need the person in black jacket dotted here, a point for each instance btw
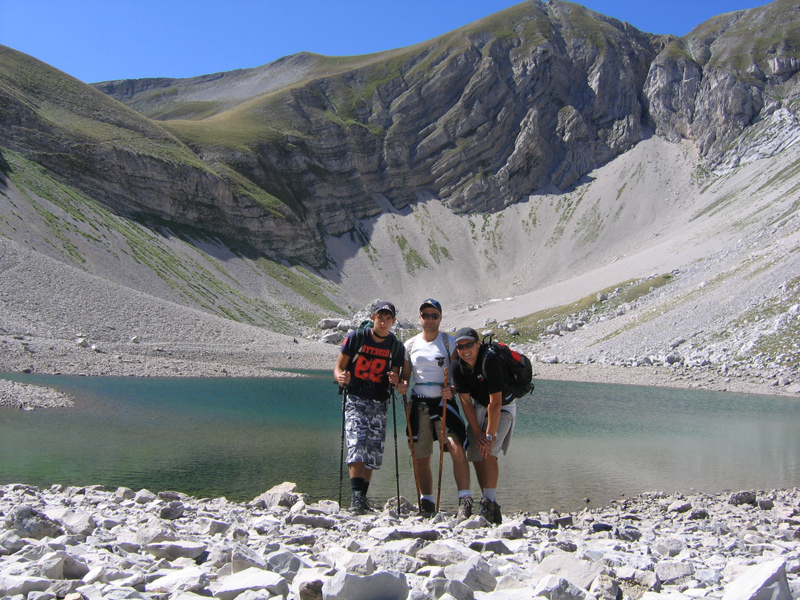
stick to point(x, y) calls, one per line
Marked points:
point(490, 411)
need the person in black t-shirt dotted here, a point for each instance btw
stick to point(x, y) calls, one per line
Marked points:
point(366, 372)
point(490, 411)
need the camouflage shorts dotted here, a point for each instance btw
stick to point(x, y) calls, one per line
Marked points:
point(365, 430)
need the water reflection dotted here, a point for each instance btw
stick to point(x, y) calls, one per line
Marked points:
point(238, 437)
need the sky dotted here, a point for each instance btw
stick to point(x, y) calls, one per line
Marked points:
point(101, 40)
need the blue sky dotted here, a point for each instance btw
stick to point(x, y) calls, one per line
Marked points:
point(98, 40)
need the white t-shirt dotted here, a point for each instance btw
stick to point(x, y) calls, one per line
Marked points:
point(428, 360)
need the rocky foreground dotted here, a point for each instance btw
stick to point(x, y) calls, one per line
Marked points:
point(87, 543)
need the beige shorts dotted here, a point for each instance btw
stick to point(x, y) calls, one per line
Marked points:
point(502, 440)
point(423, 446)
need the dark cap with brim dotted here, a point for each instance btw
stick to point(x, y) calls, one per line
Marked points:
point(467, 333)
point(387, 306)
point(430, 302)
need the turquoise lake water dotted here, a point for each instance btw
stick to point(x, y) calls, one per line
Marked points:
point(239, 437)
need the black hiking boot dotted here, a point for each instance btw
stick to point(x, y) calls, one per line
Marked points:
point(497, 517)
point(490, 511)
point(427, 508)
point(359, 504)
point(486, 510)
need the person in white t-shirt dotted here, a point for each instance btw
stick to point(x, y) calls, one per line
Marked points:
point(427, 355)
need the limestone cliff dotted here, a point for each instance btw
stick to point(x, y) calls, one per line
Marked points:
point(731, 85)
point(131, 163)
point(531, 98)
point(536, 95)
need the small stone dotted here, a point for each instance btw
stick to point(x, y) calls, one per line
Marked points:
point(310, 590)
point(173, 510)
point(740, 498)
point(144, 496)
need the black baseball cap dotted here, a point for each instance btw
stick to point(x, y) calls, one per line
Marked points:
point(432, 303)
point(467, 333)
point(387, 306)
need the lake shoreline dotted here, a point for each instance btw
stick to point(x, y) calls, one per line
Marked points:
point(596, 465)
point(661, 376)
point(54, 357)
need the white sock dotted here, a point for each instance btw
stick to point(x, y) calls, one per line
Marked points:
point(464, 494)
point(427, 497)
point(490, 494)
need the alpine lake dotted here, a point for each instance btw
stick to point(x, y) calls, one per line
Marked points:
point(574, 444)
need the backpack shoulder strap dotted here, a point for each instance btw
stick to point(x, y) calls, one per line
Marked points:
point(446, 342)
point(397, 347)
point(358, 343)
point(448, 351)
point(488, 351)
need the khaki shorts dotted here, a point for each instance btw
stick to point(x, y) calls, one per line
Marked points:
point(503, 438)
point(423, 446)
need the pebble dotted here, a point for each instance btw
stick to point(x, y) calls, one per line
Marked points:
point(89, 543)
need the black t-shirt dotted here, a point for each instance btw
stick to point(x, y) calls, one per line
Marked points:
point(368, 372)
point(474, 383)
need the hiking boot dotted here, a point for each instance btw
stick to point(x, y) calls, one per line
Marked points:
point(486, 510)
point(464, 508)
point(490, 511)
point(497, 518)
point(359, 504)
point(427, 508)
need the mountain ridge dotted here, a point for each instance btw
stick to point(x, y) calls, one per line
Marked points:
point(464, 156)
point(518, 153)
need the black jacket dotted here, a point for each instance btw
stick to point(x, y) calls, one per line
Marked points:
point(486, 379)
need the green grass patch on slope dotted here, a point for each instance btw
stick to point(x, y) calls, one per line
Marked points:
point(413, 260)
point(196, 278)
point(76, 113)
point(195, 110)
point(303, 283)
point(437, 236)
point(779, 342)
point(782, 345)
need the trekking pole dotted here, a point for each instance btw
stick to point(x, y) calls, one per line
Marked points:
point(396, 460)
point(441, 443)
point(341, 449)
point(413, 453)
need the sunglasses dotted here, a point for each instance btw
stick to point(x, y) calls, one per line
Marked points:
point(430, 316)
point(466, 346)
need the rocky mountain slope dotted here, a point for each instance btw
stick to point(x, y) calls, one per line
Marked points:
point(534, 96)
point(544, 153)
point(477, 117)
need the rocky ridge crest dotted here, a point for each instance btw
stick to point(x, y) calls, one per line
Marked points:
point(533, 97)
